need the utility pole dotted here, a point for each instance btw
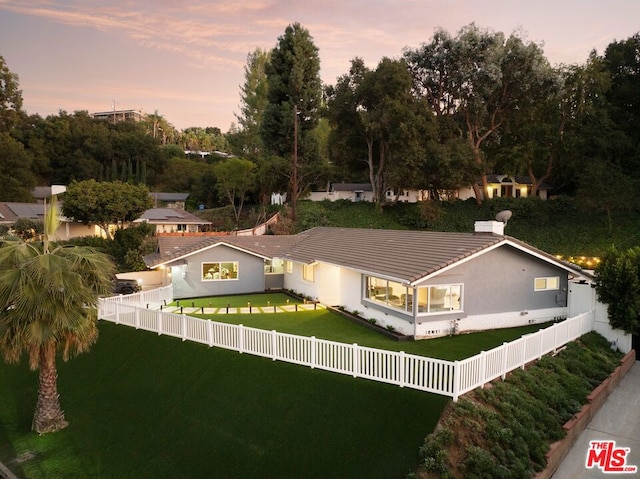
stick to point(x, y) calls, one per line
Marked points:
point(294, 173)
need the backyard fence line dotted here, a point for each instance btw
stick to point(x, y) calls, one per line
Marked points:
point(448, 378)
point(152, 298)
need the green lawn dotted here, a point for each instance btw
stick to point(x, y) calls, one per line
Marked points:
point(326, 324)
point(147, 406)
point(142, 405)
point(239, 301)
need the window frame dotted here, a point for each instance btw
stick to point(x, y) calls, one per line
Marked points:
point(372, 293)
point(233, 273)
point(546, 280)
point(449, 295)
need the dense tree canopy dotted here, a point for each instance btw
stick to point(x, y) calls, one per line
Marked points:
point(380, 123)
point(482, 79)
point(10, 98)
point(294, 101)
point(618, 286)
point(105, 203)
point(236, 177)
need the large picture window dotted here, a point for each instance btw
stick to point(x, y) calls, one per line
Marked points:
point(439, 298)
point(223, 270)
point(389, 293)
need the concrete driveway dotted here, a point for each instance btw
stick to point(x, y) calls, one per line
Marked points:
point(618, 420)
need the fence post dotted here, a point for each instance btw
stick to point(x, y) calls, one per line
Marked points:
point(210, 332)
point(355, 363)
point(555, 338)
point(137, 318)
point(505, 348)
point(483, 367)
point(523, 357)
point(313, 352)
point(401, 360)
point(184, 327)
point(540, 345)
point(456, 380)
point(117, 309)
point(274, 345)
point(159, 323)
point(240, 338)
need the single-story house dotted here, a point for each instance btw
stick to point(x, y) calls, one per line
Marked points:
point(499, 186)
point(507, 186)
point(171, 220)
point(421, 283)
point(11, 212)
point(344, 191)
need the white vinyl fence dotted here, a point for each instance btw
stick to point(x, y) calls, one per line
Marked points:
point(448, 378)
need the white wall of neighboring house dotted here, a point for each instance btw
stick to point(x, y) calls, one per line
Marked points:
point(68, 230)
point(340, 195)
point(582, 298)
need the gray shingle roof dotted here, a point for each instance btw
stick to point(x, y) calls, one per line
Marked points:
point(405, 255)
point(170, 215)
point(173, 247)
point(161, 196)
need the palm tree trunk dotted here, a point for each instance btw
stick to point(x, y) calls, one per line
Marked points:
point(48, 416)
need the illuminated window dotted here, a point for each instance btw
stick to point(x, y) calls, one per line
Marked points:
point(274, 266)
point(389, 293)
point(439, 298)
point(222, 270)
point(546, 284)
point(289, 266)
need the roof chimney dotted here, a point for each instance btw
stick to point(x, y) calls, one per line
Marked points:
point(491, 227)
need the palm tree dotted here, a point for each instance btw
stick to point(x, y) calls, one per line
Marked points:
point(48, 299)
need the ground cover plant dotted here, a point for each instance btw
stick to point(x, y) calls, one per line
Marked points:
point(504, 431)
point(148, 406)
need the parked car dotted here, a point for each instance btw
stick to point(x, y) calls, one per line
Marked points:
point(126, 286)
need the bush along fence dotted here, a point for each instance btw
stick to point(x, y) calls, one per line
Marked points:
point(448, 378)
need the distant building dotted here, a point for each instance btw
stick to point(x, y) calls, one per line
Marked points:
point(171, 220)
point(116, 116)
point(169, 200)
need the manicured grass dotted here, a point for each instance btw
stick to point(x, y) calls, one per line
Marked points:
point(147, 406)
point(326, 324)
point(238, 301)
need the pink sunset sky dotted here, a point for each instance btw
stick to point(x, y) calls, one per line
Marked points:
point(186, 59)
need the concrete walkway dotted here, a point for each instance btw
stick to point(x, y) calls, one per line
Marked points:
point(618, 420)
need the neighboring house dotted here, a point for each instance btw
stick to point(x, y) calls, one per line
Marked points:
point(116, 116)
point(422, 284)
point(344, 191)
point(169, 200)
point(10, 212)
point(507, 186)
point(500, 186)
point(170, 220)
